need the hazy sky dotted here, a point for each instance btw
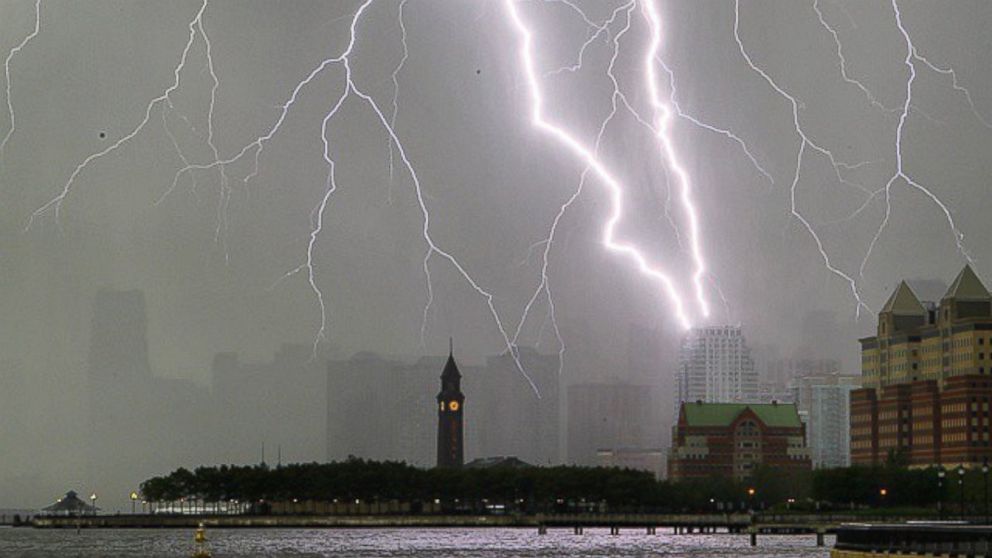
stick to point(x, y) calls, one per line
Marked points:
point(210, 265)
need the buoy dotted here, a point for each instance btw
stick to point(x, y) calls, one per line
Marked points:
point(200, 541)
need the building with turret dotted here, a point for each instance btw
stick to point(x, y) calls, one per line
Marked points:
point(926, 379)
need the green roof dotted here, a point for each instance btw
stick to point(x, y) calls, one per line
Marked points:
point(967, 286)
point(903, 302)
point(722, 414)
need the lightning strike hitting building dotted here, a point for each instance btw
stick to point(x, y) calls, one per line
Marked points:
point(633, 29)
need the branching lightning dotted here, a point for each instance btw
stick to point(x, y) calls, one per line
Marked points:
point(900, 171)
point(804, 142)
point(55, 204)
point(6, 72)
point(842, 62)
point(592, 161)
point(545, 284)
point(662, 108)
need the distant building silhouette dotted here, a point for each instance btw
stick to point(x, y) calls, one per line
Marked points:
point(450, 417)
point(118, 338)
point(651, 460)
point(139, 424)
point(385, 408)
point(607, 416)
point(508, 417)
point(280, 403)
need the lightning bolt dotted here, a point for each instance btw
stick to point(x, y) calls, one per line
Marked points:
point(710, 127)
point(900, 172)
point(6, 72)
point(804, 142)
point(588, 156)
point(663, 116)
point(954, 83)
point(396, 94)
point(842, 62)
point(545, 284)
point(599, 29)
point(220, 233)
point(55, 204)
point(352, 88)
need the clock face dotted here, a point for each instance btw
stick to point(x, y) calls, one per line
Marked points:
point(453, 405)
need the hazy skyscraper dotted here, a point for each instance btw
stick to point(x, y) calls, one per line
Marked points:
point(281, 403)
point(118, 338)
point(715, 366)
point(824, 402)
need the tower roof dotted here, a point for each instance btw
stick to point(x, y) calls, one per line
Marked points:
point(450, 368)
point(967, 286)
point(903, 302)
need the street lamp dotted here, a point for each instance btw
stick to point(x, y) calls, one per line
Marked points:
point(985, 473)
point(882, 493)
point(134, 500)
point(961, 488)
point(940, 493)
point(93, 502)
point(750, 497)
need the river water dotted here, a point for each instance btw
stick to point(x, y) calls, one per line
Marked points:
point(417, 543)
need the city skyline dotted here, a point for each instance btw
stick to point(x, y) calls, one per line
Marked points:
point(241, 231)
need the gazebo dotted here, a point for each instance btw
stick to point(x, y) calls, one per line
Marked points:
point(70, 504)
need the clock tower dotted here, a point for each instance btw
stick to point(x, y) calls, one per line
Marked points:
point(450, 422)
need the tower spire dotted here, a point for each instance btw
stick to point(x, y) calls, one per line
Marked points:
point(451, 346)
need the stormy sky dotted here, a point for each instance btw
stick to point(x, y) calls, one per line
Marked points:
point(212, 254)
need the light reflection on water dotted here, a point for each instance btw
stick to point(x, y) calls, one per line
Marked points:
point(432, 543)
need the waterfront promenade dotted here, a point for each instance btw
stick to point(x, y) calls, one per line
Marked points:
point(678, 523)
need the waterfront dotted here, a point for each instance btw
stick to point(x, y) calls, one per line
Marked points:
point(425, 543)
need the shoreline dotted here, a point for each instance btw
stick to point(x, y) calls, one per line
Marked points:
point(734, 522)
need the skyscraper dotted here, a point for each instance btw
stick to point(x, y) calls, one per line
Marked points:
point(118, 338)
point(824, 401)
point(715, 366)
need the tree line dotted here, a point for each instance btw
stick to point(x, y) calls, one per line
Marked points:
point(570, 488)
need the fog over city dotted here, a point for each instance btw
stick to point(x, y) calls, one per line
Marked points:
point(212, 246)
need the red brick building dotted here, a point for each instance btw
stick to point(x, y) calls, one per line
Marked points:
point(927, 379)
point(733, 439)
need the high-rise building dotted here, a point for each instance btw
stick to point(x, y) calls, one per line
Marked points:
point(607, 417)
point(715, 366)
point(450, 417)
point(824, 402)
point(733, 439)
point(154, 418)
point(926, 380)
point(118, 338)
